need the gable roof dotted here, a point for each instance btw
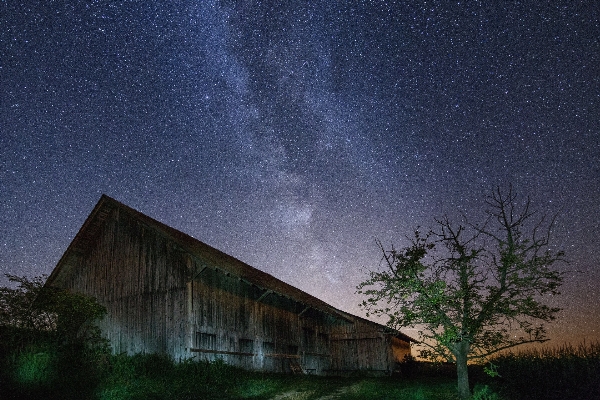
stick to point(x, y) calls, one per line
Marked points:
point(202, 252)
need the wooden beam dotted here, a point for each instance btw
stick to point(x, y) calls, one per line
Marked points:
point(234, 353)
point(265, 294)
point(276, 355)
point(306, 353)
point(199, 272)
point(303, 311)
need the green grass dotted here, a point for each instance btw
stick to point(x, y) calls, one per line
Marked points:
point(121, 377)
point(156, 377)
point(313, 388)
point(562, 373)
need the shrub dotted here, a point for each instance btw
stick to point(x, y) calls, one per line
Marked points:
point(484, 393)
point(49, 345)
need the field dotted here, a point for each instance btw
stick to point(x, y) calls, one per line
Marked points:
point(566, 372)
point(562, 373)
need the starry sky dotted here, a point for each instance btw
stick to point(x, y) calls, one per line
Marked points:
point(292, 135)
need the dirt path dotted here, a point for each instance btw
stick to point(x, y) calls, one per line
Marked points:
point(337, 393)
point(294, 395)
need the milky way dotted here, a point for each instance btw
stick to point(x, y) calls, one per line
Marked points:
point(293, 136)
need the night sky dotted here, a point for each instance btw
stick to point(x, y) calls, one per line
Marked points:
point(292, 135)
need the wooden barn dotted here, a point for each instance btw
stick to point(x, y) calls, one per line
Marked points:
point(167, 292)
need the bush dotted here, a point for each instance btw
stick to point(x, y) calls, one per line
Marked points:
point(49, 345)
point(484, 393)
point(43, 370)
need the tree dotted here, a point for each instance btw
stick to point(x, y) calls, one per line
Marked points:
point(66, 316)
point(471, 290)
point(17, 304)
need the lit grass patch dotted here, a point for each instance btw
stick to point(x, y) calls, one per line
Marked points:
point(158, 377)
point(285, 387)
point(386, 388)
point(261, 387)
point(35, 367)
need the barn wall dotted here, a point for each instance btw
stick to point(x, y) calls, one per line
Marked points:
point(363, 347)
point(139, 276)
point(228, 322)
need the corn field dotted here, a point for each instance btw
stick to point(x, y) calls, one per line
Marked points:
point(563, 372)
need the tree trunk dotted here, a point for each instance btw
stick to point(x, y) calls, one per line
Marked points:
point(461, 351)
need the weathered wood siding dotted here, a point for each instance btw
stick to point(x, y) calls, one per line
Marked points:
point(363, 346)
point(139, 276)
point(252, 327)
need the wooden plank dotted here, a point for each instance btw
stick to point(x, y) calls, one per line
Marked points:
point(275, 355)
point(234, 353)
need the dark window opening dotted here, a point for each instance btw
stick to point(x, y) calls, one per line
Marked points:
point(246, 345)
point(207, 341)
point(268, 347)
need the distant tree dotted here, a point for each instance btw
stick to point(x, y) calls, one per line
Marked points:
point(471, 290)
point(17, 304)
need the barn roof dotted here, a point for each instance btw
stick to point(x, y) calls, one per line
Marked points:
point(200, 251)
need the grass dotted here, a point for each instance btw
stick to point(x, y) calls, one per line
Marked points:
point(121, 377)
point(567, 372)
point(425, 388)
point(156, 377)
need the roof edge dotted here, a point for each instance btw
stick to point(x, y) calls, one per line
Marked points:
point(61, 262)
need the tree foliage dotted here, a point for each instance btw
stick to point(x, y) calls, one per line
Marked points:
point(471, 290)
point(67, 316)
